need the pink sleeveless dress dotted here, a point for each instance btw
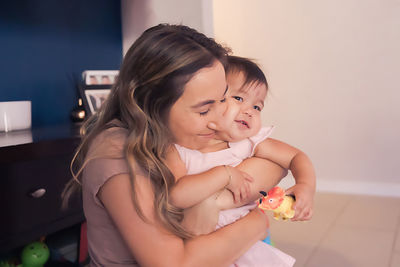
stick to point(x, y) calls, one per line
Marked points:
point(260, 254)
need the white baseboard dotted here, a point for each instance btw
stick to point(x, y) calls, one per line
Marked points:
point(352, 187)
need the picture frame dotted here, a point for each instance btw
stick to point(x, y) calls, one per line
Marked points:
point(99, 77)
point(95, 88)
point(93, 96)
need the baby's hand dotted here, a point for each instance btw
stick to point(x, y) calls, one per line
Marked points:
point(303, 206)
point(239, 184)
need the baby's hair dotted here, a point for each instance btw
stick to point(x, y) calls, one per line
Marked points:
point(251, 71)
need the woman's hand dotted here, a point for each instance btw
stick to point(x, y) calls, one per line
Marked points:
point(263, 220)
point(239, 184)
point(303, 205)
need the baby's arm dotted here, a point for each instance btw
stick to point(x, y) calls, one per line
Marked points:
point(302, 169)
point(202, 218)
point(192, 189)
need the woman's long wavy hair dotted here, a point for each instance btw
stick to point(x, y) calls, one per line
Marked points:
point(151, 79)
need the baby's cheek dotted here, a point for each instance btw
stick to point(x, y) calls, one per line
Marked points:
point(232, 110)
point(257, 124)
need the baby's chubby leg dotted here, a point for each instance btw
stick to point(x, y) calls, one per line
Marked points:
point(266, 174)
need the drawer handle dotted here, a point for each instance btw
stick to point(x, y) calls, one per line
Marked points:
point(38, 193)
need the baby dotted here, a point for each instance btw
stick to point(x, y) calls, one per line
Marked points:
point(208, 201)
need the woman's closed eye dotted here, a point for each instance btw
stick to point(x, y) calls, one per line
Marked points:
point(203, 113)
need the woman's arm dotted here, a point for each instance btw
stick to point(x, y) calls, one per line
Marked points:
point(146, 239)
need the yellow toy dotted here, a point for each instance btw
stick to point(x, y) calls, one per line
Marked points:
point(276, 201)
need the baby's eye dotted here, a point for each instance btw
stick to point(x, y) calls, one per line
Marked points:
point(238, 98)
point(257, 108)
point(204, 112)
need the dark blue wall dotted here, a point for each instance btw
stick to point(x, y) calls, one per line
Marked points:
point(44, 44)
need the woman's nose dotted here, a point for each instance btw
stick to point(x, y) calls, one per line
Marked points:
point(217, 121)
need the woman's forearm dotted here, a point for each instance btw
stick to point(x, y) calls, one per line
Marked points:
point(223, 246)
point(148, 238)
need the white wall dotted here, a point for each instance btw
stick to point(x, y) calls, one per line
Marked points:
point(138, 15)
point(333, 69)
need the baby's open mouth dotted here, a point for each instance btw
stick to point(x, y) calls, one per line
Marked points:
point(243, 122)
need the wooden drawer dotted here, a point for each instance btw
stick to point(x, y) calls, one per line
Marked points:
point(24, 217)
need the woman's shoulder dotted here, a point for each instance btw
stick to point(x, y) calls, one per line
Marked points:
point(109, 143)
point(107, 150)
point(105, 160)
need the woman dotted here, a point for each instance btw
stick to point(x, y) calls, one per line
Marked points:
point(170, 87)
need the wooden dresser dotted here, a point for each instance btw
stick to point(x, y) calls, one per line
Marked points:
point(34, 168)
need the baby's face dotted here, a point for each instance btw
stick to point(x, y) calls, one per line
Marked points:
point(243, 115)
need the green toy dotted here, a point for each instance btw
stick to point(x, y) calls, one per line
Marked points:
point(6, 264)
point(34, 255)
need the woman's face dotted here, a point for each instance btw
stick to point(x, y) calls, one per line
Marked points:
point(202, 102)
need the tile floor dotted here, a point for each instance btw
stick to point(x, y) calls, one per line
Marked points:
point(346, 231)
